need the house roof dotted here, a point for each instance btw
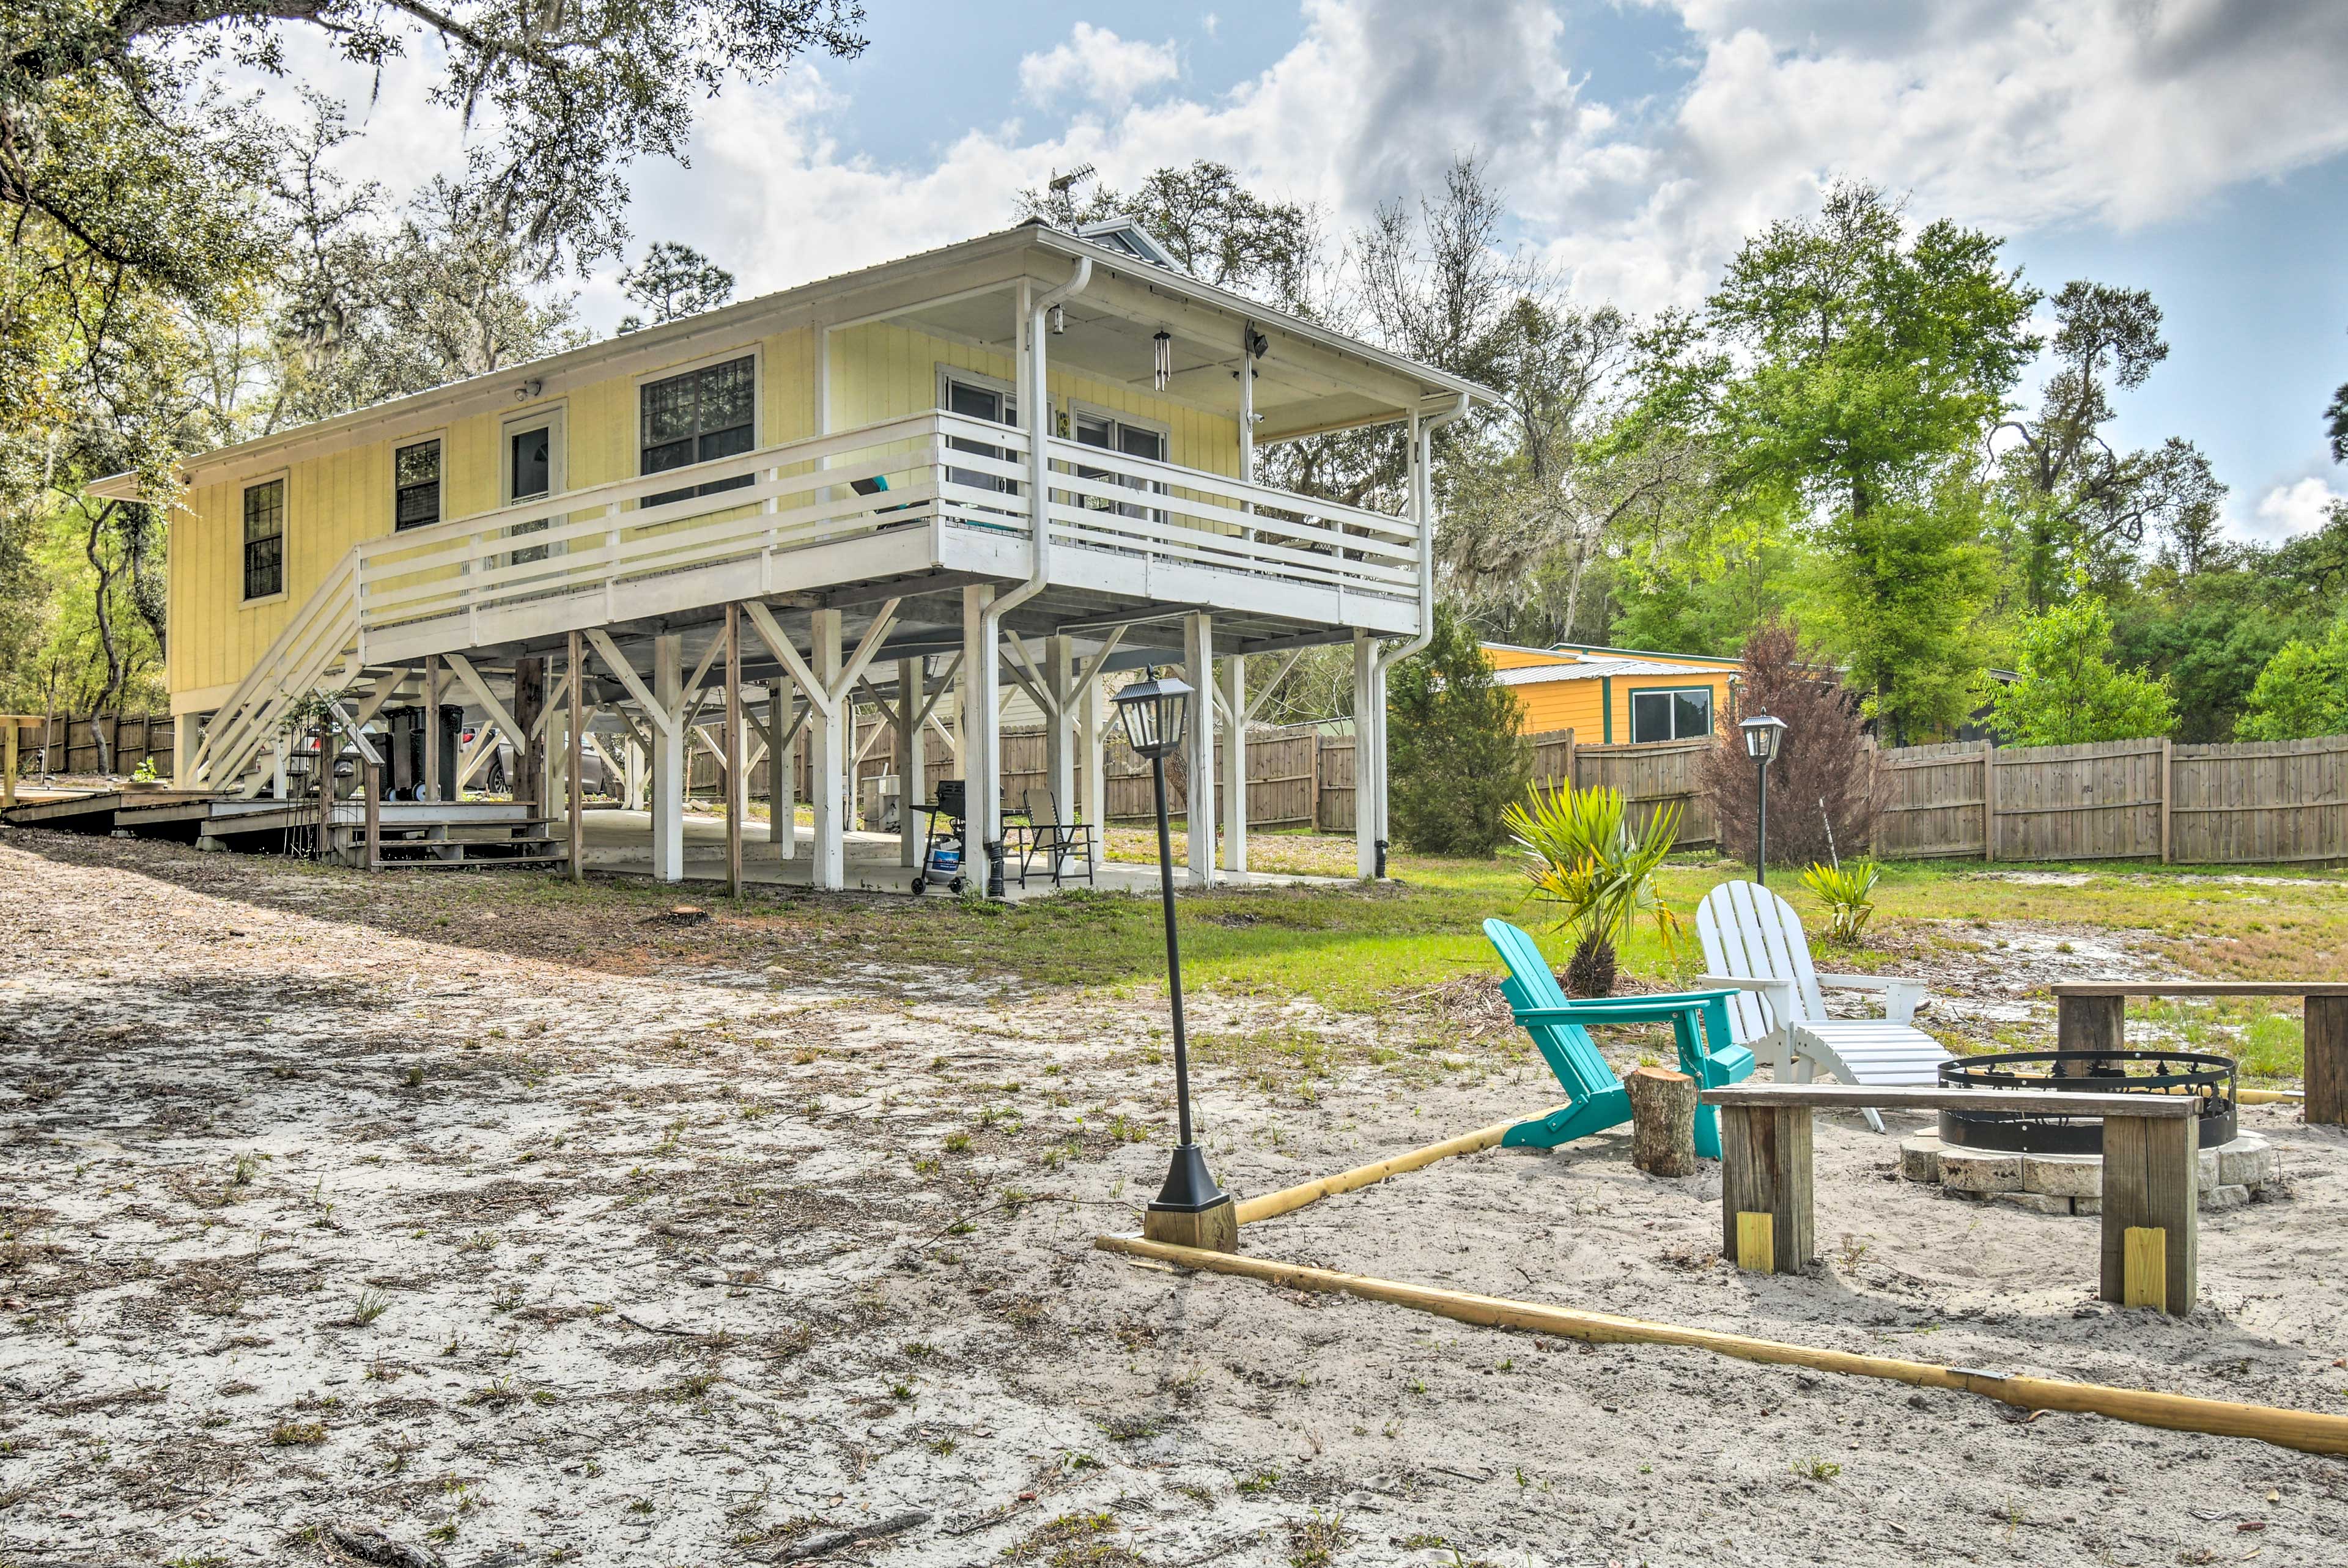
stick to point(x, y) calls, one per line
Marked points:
point(1599, 669)
point(668, 342)
point(1682, 659)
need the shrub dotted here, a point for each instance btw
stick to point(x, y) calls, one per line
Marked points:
point(1581, 855)
point(1824, 796)
point(1844, 890)
point(2068, 693)
point(2302, 692)
point(1455, 753)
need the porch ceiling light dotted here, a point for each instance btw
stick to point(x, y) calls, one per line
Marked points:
point(1152, 711)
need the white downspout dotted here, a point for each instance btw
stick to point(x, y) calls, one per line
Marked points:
point(1422, 503)
point(1422, 506)
point(1037, 396)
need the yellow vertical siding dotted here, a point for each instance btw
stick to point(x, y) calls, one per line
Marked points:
point(337, 499)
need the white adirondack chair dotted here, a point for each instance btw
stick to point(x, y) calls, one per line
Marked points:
point(1752, 941)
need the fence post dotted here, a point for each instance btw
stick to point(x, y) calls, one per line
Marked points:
point(2168, 790)
point(374, 776)
point(1989, 800)
point(1572, 779)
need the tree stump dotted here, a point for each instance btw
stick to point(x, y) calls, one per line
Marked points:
point(1663, 1121)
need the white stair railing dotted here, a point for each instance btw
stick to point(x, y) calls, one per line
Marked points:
point(323, 631)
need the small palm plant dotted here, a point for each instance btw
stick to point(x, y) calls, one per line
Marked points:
point(1844, 890)
point(1582, 855)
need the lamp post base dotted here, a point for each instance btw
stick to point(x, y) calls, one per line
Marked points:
point(1191, 1210)
point(1215, 1227)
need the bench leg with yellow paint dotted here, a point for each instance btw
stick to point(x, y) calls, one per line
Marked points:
point(2150, 1239)
point(1765, 1197)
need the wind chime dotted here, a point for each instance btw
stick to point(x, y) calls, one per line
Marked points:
point(1163, 344)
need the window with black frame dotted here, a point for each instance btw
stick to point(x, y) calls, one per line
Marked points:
point(265, 539)
point(1680, 714)
point(415, 485)
point(696, 417)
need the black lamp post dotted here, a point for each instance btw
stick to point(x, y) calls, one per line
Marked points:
point(1763, 734)
point(1191, 1210)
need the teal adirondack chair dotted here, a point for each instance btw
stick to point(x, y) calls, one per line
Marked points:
point(1560, 1030)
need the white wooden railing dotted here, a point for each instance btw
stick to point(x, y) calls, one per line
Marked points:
point(321, 634)
point(1107, 500)
point(942, 470)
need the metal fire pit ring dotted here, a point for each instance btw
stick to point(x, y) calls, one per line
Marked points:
point(2093, 1071)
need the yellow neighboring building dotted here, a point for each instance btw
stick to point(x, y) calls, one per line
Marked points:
point(1616, 695)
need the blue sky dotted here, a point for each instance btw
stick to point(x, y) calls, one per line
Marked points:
point(2195, 148)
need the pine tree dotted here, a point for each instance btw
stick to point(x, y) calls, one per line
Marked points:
point(1457, 756)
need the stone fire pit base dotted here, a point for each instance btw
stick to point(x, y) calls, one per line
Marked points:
point(2231, 1174)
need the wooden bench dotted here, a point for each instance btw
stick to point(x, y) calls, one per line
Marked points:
point(2089, 1016)
point(2150, 1143)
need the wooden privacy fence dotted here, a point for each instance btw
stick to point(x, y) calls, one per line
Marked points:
point(1652, 777)
point(2244, 803)
point(1298, 777)
point(70, 742)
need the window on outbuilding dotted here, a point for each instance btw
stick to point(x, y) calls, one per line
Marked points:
point(265, 539)
point(415, 485)
point(1684, 714)
point(696, 417)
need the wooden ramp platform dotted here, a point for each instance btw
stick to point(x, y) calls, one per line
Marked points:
point(93, 810)
point(407, 833)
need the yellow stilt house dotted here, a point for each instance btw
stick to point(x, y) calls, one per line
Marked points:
point(1031, 455)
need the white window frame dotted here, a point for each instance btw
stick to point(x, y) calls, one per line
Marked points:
point(1712, 706)
point(1080, 409)
point(555, 416)
point(284, 536)
point(417, 439)
point(754, 351)
point(947, 375)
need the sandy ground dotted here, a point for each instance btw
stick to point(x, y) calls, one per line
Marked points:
point(308, 1232)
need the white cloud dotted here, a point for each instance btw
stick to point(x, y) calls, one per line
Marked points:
point(2007, 113)
point(2295, 508)
point(2010, 114)
point(1097, 63)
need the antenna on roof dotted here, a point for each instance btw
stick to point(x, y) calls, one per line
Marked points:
point(1061, 184)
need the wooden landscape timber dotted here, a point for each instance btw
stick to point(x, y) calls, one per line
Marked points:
point(1288, 1200)
point(2307, 1430)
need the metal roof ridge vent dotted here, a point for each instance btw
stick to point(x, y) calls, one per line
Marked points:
point(1123, 232)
